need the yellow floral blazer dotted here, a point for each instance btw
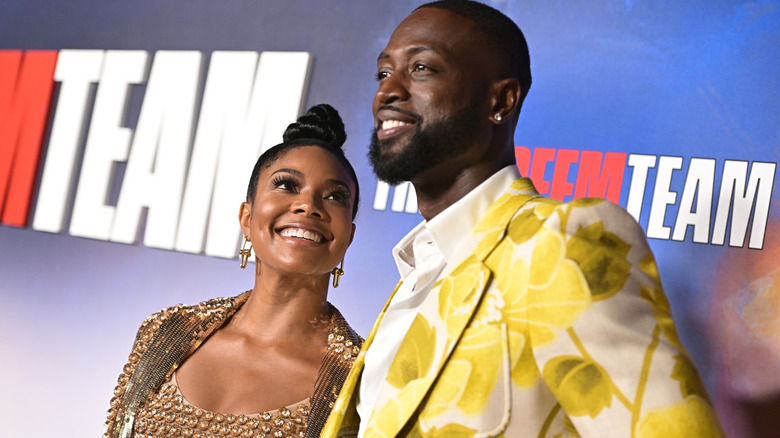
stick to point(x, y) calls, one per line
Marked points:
point(556, 325)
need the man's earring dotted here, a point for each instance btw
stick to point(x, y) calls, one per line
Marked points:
point(337, 273)
point(498, 117)
point(245, 252)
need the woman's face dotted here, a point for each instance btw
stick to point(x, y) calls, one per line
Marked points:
point(301, 218)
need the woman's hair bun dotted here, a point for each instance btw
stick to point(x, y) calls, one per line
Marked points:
point(322, 122)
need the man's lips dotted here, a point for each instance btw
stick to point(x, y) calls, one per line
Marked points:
point(392, 120)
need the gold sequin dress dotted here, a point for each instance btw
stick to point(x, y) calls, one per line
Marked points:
point(147, 402)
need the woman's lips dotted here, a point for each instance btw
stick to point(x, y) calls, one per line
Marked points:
point(302, 233)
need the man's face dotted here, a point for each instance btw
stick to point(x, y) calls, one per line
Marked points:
point(432, 107)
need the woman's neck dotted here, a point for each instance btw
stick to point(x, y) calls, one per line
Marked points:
point(284, 307)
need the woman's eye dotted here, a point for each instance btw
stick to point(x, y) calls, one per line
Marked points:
point(285, 184)
point(341, 197)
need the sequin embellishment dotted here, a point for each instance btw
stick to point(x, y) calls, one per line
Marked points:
point(169, 415)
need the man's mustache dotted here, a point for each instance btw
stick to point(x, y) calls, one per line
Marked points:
point(416, 117)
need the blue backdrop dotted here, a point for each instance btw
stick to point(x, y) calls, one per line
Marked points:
point(682, 96)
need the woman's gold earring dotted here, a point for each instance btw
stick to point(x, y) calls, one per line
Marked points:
point(337, 273)
point(245, 252)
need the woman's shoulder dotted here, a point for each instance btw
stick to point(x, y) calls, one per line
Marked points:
point(219, 308)
point(342, 331)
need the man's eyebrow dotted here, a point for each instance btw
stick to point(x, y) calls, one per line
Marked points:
point(409, 51)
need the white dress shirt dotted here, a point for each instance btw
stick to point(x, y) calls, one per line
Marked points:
point(422, 257)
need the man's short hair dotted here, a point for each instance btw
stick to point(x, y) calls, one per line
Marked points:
point(500, 31)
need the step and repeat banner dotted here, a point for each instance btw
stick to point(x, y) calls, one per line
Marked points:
point(128, 131)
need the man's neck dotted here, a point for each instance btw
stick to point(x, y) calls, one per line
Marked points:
point(437, 191)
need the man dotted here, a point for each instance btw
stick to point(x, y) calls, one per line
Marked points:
point(516, 315)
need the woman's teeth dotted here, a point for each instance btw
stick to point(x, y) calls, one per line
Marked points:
point(301, 234)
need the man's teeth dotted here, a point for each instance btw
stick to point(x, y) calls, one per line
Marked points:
point(387, 124)
point(301, 234)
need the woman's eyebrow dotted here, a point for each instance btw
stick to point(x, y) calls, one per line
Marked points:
point(295, 172)
point(340, 183)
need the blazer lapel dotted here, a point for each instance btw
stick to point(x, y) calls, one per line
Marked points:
point(346, 402)
point(442, 318)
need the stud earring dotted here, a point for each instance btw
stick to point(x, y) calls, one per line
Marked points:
point(337, 273)
point(498, 117)
point(245, 252)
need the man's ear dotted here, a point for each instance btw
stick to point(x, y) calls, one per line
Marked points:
point(244, 217)
point(507, 95)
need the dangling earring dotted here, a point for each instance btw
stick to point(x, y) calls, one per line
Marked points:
point(245, 252)
point(337, 273)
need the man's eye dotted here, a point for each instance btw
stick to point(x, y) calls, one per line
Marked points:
point(420, 68)
point(382, 75)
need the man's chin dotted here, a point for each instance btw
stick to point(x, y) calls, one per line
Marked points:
point(389, 169)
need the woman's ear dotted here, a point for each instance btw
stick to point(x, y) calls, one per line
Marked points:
point(352, 236)
point(244, 217)
point(506, 99)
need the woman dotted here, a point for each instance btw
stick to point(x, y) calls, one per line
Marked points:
point(270, 361)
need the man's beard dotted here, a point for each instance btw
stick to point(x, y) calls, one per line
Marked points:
point(428, 146)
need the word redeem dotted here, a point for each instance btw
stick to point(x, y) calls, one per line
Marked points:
point(744, 191)
point(189, 178)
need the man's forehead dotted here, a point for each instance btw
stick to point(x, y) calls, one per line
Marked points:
point(432, 29)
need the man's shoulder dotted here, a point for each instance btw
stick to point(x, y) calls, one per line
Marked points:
point(581, 208)
point(573, 216)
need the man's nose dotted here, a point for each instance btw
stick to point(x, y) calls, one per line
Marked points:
point(392, 88)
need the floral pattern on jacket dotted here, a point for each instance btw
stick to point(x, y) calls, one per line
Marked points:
point(556, 325)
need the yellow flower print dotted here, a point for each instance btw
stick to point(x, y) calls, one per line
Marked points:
point(692, 417)
point(663, 315)
point(524, 371)
point(502, 260)
point(512, 289)
point(466, 282)
point(549, 295)
point(494, 223)
point(385, 419)
point(448, 389)
point(649, 267)
point(467, 382)
point(527, 224)
point(547, 257)
point(570, 429)
point(407, 372)
point(581, 386)
point(414, 360)
point(498, 215)
point(601, 257)
point(448, 431)
point(690, 382)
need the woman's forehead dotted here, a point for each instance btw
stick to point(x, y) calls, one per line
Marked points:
point(310, 160)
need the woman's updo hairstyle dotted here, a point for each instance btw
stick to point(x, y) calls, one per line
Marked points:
point(321, 126)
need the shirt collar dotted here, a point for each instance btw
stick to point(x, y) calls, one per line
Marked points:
point(450, 227)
